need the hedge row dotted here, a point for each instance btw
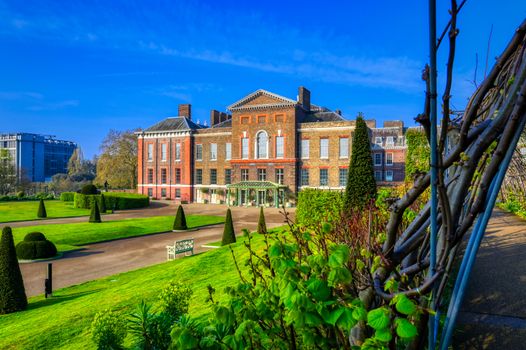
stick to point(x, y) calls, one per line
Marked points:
point(35, 197)
point(318, 206)
point(112, 200)
point(67, 196)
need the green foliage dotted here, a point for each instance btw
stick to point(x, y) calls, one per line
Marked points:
point(262, 226)
point(102, 202)
point(361, 185)
point(12, 293)
point(229, 235)
point(150, 330)
point(113, 200)
point(89, 189)
point(41, 209)
point(34, 236)
point(108, 330)
point(318, 206)
point(35, 246)
point(418, 153)
point(175, 299)
point(95, 213)
point(180, 220)
point(513, 205)
point(67, 196)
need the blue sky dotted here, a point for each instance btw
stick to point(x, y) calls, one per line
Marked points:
point(76, 69)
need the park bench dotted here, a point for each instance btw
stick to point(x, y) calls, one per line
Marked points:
point(182, 246)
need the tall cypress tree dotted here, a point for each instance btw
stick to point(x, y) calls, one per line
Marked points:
point(229, 236)
point(180, 220)
point(102, 204)
point(41, 209)
point(262, 226)
point(12, 292)
point(95, 213)
point(361, 185)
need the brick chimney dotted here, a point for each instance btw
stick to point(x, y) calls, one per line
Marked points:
point(304, 97)
point(215, 117)
point(338, 111)
point(185, 110)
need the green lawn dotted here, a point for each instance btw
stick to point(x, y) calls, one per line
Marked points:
point(27, 210)
point(71, 236)
point(63, 322)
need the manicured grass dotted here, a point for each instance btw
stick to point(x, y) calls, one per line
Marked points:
point(63, 322)
point(27, 210)
point(71, 236)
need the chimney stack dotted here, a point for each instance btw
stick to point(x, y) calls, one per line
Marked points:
point(185, 110)
point(215, 117)
point(338, 111)
point(304, 97)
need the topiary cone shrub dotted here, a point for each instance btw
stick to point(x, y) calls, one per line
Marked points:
point(262, 226)
point(35, 246)
point(95, 213)
point(180, 220)
point(12, 293)
point(229, 236)
point(102, 204)
point(41, 209)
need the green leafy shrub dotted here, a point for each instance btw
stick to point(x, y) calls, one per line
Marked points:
point(89, 189)
point(175, 299)
point(20, 194)
point(35, 246)
point(108, 330)
point(229, 235)
point(150, 330)
point(418, 153)
point(102, 203)
point(113, 200)
point(41, 210)
point(12, 292)
point(95, 213)
point(262, 226)
point(67, 196)
point(180, 220)
point(318, 206)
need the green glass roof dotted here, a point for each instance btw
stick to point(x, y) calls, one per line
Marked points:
point(256, 184)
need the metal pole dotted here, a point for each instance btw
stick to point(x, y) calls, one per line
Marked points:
point(434, 155)
point(476, 236)
point(48, 284)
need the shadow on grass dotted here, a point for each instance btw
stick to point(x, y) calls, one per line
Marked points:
point(59, 299)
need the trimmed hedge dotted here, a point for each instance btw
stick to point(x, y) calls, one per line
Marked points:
point(35, 246)
point(12, 293)
point(42, 213)
point(318, 206)
point(180, 220)
point(35, 197)
point(67, 196)
point(89, 189)
point(229, 235)
point(112, 200)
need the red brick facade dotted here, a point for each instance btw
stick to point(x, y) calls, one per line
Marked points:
point(268, 139)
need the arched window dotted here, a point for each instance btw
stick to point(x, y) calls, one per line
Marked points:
point(261, 145)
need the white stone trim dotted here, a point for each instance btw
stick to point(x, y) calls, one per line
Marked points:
point(164, 185)
point(159, 134)
point(330, 128)
point(196, 135)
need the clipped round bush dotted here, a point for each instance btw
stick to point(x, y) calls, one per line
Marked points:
point(89, 189)
point(34, 236)
point(21, 194)
point(35, 246)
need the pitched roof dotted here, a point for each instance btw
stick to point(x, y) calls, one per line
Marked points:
point(174, 124)
point(325, 116)
point(280, 100)
point(224, 124)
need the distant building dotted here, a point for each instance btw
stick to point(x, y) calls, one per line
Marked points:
point(37, 157)
point(269, 147)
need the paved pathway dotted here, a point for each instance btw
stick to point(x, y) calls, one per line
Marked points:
point(494, 311)
point(108, 258)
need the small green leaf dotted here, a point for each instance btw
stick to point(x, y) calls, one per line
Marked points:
point(383, 335)
point(339, 256)
point(404, 305)
point(334, 316)
point(378, 318)
point(405, 329)
point(359, 314)
point(319, 289)
point(274, 250)
point(346, 320)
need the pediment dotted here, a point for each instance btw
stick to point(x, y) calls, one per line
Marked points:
point(261, 98)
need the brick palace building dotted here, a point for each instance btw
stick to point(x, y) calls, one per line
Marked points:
point(268, 148)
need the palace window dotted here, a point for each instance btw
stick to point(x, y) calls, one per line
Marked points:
point(150, 151)
point(343, 176)
point(178, 151)
point(163, 152)
point(388, 159)
point(199, 152)
point(378, 141)
point(304, 177)
point(213, 151)
point(244, 148)
point(377, 159)
point(305, 149)
point(280, 175)
point(177, 193)
point(163, 192)
point(163, 176)
point(261, 145)
point(324, 177)
point(324, 148)
point(228, 176)
point(150, 176)
point(344, 147)
point(177, 176)
point(378, 175)
point(199, 176)
point(262, 174)
point(228, 151)
point(213, 176)
point(389, 175)
point(280, 146)
point(390, 141)
point(244, 174)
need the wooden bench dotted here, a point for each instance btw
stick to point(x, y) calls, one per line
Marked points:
point(183, 246)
